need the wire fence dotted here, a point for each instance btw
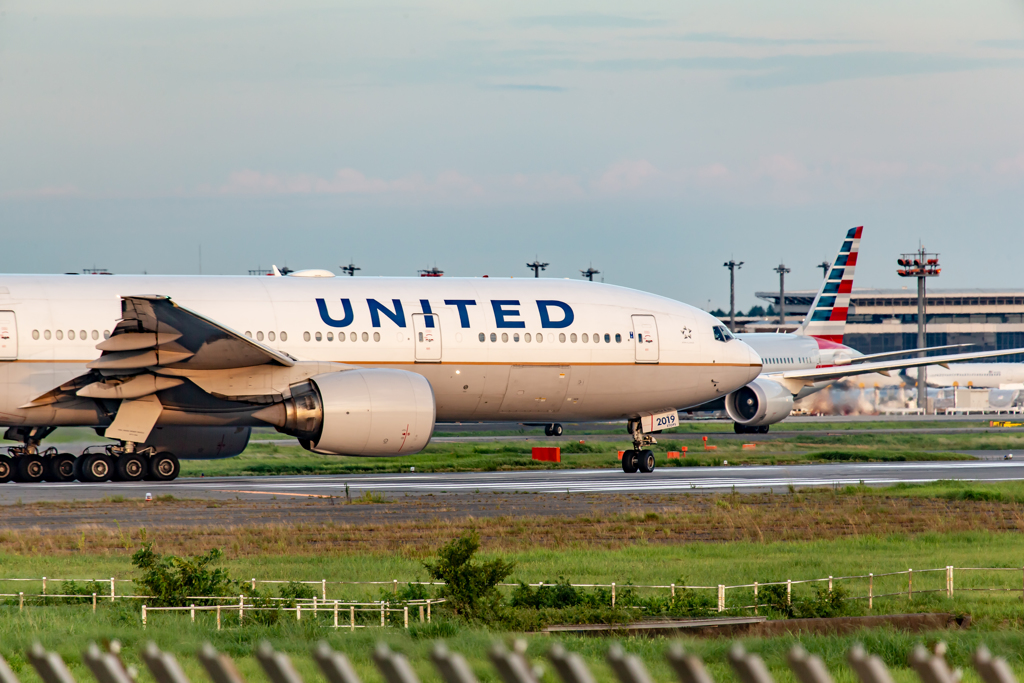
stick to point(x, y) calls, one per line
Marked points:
point(751, 596)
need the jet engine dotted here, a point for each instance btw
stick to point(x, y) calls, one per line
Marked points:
point(199, 443)
point(367, 412)
point(761, 403)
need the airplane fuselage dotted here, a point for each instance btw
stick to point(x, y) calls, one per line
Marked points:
point(492, 349)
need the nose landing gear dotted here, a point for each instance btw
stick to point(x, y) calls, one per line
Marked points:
point(639, 459)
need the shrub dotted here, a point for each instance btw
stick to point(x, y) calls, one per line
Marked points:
point(294, 591)
point(171, 579)
point(470, 589)
point(557, 595)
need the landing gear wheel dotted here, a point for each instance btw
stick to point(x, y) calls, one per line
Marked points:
point(131, 467)
point(763, 429)
point(740, 429)
point(6, 469)
point(164, 467)
point(547, 430)
point(556, 429)
point(645, 461)
point(31, 468)
point(630, 462)
point(79, 461)
point(97, 467)
point(61, 467)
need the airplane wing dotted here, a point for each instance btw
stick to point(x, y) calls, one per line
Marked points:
point(155, 332)
point(794, 380)
point(890, 354)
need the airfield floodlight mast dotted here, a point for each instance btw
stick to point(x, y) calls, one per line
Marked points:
point(351, 269)
point(431, 272)
point(922, 265)
point(590, 272)
point(733, 266)
point(537, 266)
point(782, 270)
point(825, 266)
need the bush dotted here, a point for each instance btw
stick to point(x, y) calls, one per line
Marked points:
point(557, 595)
point(170, 580)
point(470, 589)
point(825, 603)
point(577, 447)
point(293, 591)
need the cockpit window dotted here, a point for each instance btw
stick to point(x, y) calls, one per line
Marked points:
point(722, 333)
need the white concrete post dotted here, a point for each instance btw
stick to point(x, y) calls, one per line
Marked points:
point(428, 611)
point(298, 612)
point(405, 614)
point(314, 607)
point(395, 588)
point(721, 598)
point(193, 612)
point(323, 589)
point(421, 614)
point(755, 597)
point(218, 617)
point(111, 589)
point(871, 590)
point(335, 614)
point(94, 603)
point(789, 591)
point(241, 608)
point(21, 601)
point(254, 583)
point(382, 613)
point(143, 616)
point(910, 584)
point(352, 617)
point(830, 584)
point(613, 594)
point(673, 590)
point(44, 585)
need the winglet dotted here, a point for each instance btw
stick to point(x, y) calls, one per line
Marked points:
point(826, 319)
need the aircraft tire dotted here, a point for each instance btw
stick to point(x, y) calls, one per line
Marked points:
point(630, 462)
point(6, 469)
point(131, 467)
point(61, 467)
point(97, 467)
point(547, 430)
point(740, 429)
point(164, 467)
point(31, 468)
point(645, 462)
point(763, 429)
point(556, 429)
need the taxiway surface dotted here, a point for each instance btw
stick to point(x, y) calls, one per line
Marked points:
point(664, 480)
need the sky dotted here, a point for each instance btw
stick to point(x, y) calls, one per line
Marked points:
point(653, 141)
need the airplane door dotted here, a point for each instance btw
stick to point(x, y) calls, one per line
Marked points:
point(426, 329)
point(8, 336)
point(645, 335)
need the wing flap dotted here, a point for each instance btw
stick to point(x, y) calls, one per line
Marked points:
point(825, 374)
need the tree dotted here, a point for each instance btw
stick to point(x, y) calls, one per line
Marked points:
point(719, 313)
point(470, 589)
point(756, 312)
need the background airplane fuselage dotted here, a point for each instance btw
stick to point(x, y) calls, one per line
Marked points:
point(531, 365)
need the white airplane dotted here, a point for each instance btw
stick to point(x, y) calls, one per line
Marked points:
point(184, 367)
point(814, 356)
point(975, 375)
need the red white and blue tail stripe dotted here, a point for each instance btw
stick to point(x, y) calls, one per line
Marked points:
point(826, 318)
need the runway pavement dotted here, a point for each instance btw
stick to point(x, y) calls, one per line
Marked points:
point(663, 480)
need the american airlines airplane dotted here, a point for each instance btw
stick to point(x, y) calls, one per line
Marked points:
point(814, 356)
point(184, 367)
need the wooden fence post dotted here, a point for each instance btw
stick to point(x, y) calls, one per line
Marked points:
point(789, 591)
point(44, 585)
point(673, 590)
point(428, 610)
point(910, 584)
point(218, 617)
point(405, 614)
point(352, 617)
point(143, 616)
point(421, 614)
point(94, 603)
point(871, 590)
point(382, 613)
point(335, 614)
point(193, 612)
point(241, 607)
point(111, 589)
point(830, 584)
point(721, 598)
point(298, 612)
point(21, 601)
point(323, 589)
point(755, 597)
point(613, 595)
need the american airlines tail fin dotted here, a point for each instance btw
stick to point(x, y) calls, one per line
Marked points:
point(826, 318)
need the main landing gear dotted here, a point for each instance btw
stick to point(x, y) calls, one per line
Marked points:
point(553, 429)
point(639, 459)
point(123, 461)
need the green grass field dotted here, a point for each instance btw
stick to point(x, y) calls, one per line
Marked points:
point(998, 616)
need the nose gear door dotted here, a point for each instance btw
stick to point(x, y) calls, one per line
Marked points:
point(8, 336)
point(645, 335)
point(426, 330)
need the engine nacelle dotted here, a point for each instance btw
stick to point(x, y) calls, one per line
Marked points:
point(371, 412)
point(762, 402)
point(199, 443)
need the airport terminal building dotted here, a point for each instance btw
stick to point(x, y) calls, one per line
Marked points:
point(882, 320)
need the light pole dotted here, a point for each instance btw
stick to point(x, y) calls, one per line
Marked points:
point(782, 270)
point(824, 265)
point(922, 265)
point(590, 272)
point(350, 269)
point(733, 266)
point(537, 266)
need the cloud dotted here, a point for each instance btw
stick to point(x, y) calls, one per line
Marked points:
point(345, 181)
point(588, 20)
point(47, 192)
point(760, 40)
point(1012, 166)
point(626, 175)
point(525, 86)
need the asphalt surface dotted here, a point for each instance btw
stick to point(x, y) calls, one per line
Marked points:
point(663, 480)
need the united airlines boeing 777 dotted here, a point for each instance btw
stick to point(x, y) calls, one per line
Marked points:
point(184, 367)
